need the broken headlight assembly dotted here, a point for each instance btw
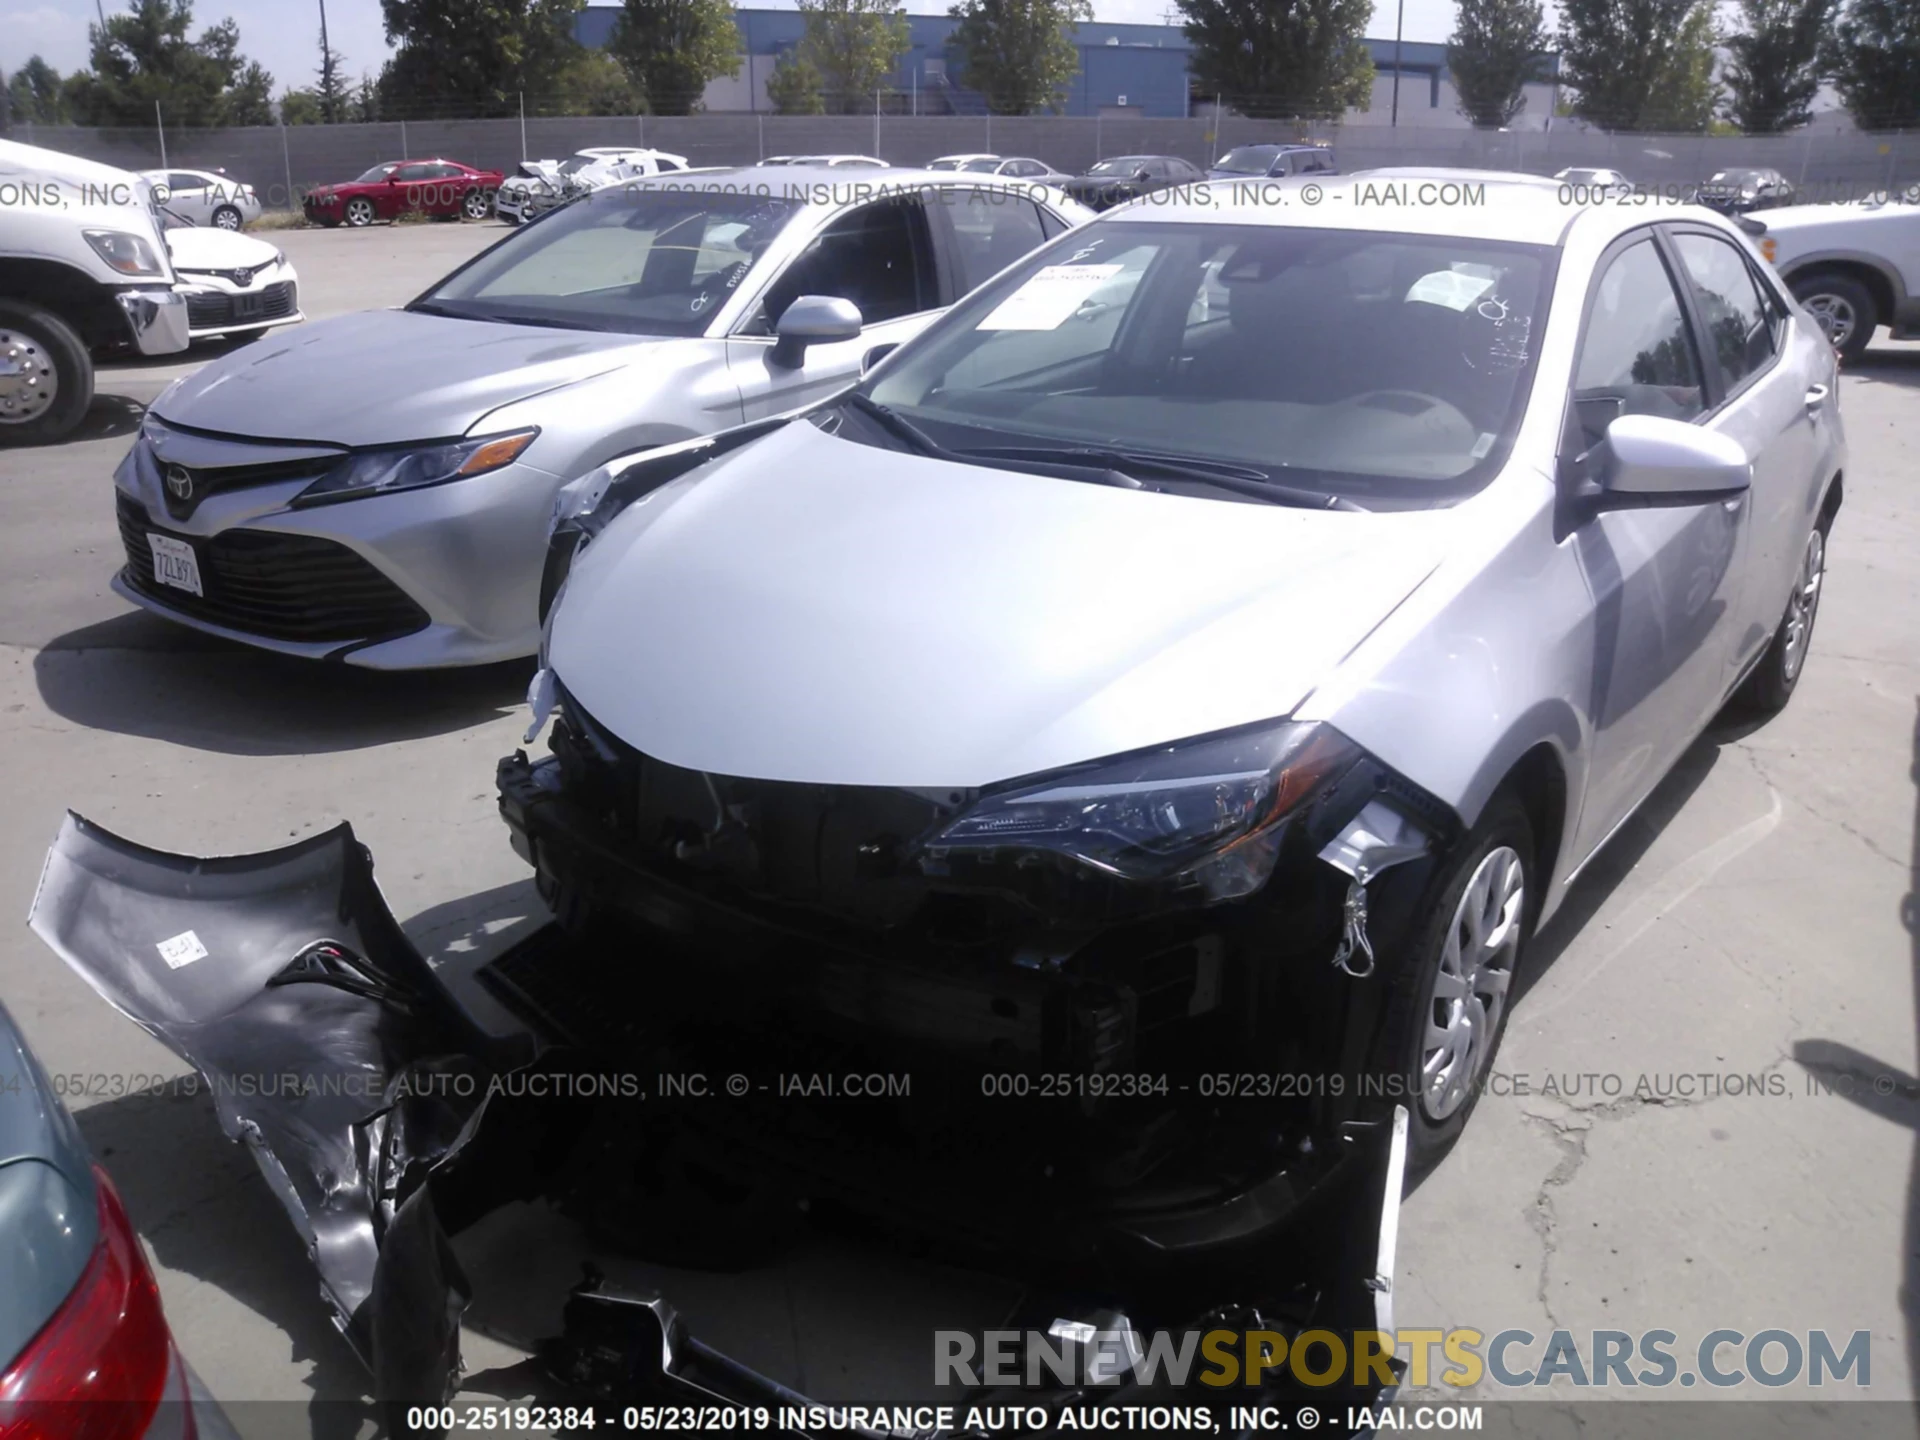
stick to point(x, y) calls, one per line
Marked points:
point(1206, 814)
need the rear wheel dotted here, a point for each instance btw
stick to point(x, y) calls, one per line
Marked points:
point(475, 206)
point(1774, 679)
point(46, 375)
point(1843, 306)
point(226, 218)
point(359, 212)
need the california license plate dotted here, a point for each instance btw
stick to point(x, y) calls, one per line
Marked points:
point(175, 564)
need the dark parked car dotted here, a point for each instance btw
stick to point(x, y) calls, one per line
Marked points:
point(84, 1346)
point(400, 187)
point(1733, 192)
point(1128, 177)
point(1252, 162)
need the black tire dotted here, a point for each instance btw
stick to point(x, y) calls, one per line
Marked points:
point(52, 356)
point(1766, 691)
point(227, 218)
point(1834, 298)
point(1502, 837)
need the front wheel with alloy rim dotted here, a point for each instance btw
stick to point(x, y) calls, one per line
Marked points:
point(46, 375)
point(475, 206)
point(1450, 1000)
point(1843, 306)
point(359, 212)
point(1773, 680)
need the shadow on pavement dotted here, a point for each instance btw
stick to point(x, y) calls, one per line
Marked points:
point(1884, 1089)
point(1888, 367)
point(138, 675)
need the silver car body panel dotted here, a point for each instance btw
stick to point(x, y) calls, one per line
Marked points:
point(861, 617)
point(469, 553)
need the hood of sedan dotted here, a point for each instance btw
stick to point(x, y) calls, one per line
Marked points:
point(387, 376)
point(207, 247)
point(812, 609)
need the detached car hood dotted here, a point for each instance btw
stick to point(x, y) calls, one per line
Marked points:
point(387, 376)
point(812, 609)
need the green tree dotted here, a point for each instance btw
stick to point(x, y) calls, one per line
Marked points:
point(1493, 52)
point(145, 55)
point(476, 57)
point(1873, 57)
point(35, 93)
point(333, 93)
point(1281, 59)
point(853, 46)
point(794, 87)
point(596, 84)
point(301, 107)
point(1018, 53)
point(365, 107)
point(672, 48)
point(249, 100)
point(1639, 64)
point(1773, 65)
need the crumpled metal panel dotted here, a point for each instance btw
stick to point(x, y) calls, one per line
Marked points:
point(327, 1042)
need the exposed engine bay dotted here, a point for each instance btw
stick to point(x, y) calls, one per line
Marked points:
point(1100, 1090)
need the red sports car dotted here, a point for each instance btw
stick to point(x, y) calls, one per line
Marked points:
point(399, 187)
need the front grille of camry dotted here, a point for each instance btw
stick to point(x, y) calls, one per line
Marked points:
point(209, 308)
point(296, 588)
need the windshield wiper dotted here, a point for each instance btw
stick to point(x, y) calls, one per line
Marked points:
point(1043, 462)
point(1240, 479)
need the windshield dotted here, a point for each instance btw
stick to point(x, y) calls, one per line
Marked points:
point(1248, 159)
point(983, 167)
point(630, 259)
point(1124, 165)
point(1735, 177)
point(948, 164)
point(1353, 363)
point(375, 175)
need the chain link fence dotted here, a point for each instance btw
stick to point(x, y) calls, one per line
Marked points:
point(283, 162)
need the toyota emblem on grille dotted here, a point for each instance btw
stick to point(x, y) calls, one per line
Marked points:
point(243, 277)
point(180, 482)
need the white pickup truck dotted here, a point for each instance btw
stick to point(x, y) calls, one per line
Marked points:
point(1854, 267)
point(83, 267)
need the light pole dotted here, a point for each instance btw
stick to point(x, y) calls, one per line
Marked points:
point(326, 70)
point(1399, 23)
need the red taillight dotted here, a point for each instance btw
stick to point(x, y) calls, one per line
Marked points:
point(97, 1369)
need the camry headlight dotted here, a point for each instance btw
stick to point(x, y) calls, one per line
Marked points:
point(1207, 812)
point(380, 472)
point(125, 252)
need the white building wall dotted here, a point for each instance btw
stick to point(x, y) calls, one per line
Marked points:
point(1418, 105)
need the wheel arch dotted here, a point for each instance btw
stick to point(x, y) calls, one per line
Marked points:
point(1878, 283)
point(71, 294)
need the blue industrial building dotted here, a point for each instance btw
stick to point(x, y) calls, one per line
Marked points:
point(1125, 70)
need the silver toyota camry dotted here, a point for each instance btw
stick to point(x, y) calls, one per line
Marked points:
point(1200, 660)
point(378, 487)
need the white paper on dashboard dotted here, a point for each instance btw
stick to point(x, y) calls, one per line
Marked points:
point(1048, 298)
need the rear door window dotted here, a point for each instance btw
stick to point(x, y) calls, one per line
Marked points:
point(1739, 329)
point(991, 230)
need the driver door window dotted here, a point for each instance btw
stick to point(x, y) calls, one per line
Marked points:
point(878, 256)
point(1638, 357)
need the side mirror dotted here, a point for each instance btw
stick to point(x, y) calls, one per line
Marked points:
point(1650, 460)
point(812, 320)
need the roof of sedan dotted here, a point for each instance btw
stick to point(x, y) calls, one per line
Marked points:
point(1474, 205)
point(833, 185)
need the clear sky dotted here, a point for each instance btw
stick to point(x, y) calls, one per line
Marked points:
point(284, 35)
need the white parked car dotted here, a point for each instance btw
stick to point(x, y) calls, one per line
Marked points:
point(206, 197)
point(234, 284)
point(1854, 267)
point(959, 162)
point(827, 161)
point(543, 184)
point(1596, 183)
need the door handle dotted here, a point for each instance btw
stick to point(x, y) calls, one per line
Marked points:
point(1816, 397)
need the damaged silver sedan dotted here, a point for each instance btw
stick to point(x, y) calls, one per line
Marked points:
point(1152, 711)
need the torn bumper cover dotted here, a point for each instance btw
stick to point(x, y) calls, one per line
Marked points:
point(369, 1100)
